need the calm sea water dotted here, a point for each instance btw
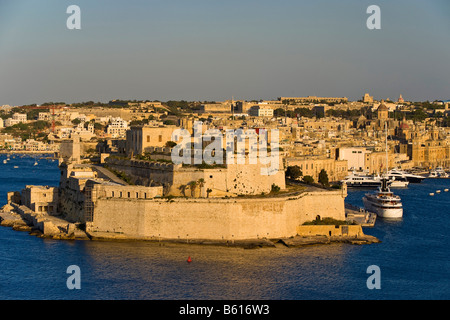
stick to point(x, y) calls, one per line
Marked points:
point(413, 258)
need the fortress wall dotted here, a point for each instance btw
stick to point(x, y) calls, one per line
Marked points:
point(235, 179)
point(214, 219)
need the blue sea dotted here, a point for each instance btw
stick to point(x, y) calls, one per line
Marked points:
point(413, 258)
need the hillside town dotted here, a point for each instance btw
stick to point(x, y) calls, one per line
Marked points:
point(259, 171)
point(316, 133)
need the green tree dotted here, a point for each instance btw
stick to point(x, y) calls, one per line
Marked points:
point(170, 144)
point(323, 178)
point(308, 179)
point(192, 185)
point(293, 172)
point(275, 188)
point(201, 184)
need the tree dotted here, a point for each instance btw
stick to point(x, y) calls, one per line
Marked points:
point(170, 144)
point(275, 188)
point(308, 179)
point(192, 185)
point(201, 183)
point(208, 191)
point(169, 122)
point(293, 172)
point(323, 178)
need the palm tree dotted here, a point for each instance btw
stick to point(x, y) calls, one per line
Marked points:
point(201, 184)
point(192, 185)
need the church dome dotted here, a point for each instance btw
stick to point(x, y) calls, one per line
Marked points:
point(404, 126)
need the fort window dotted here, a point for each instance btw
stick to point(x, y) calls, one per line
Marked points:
point(145, 195)
point(129, 194)
point(112, 194)
point(120, 194)
point(148, 138)
point(137, 194)
point(160, 138)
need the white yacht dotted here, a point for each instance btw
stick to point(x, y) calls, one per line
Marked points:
point(433, 174)
point(412, 178)
point(356, 180)
point(398, 182)
point(383, 202)
point(439, 172)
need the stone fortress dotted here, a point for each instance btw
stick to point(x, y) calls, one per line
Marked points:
point(224, 203)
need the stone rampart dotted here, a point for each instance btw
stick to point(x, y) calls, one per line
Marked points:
point(331, 231)
point(215, 219)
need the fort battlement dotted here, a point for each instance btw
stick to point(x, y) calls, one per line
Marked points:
point(141, 164)
point(214, 219)
point(178, 180)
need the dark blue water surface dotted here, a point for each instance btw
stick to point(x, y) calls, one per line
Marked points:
point(413, 258)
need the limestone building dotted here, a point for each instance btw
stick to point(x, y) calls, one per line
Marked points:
point(367, 98)
point(138, 138)
point(312, 166)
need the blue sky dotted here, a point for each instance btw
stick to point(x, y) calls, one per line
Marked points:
point(215, 50)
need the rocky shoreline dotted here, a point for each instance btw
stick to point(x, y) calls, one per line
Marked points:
point(16, 221)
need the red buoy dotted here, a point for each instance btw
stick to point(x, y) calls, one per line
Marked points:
point(189, 259)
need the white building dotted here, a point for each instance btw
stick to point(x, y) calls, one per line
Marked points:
point(261, 111)
point(355, 157)
point(16, 118)
point(21, 117)
point(117, 128)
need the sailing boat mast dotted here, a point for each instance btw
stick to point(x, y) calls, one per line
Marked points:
point(387, 158)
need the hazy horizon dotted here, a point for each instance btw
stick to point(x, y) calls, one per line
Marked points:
point(202, 50)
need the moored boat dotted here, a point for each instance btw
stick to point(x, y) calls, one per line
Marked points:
point(356, 180)
point(384, 203)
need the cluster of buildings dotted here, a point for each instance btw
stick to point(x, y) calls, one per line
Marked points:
point(15, 119)
point(135, 188)
point(335, 145)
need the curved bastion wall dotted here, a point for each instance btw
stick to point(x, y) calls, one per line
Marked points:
point(214, 219)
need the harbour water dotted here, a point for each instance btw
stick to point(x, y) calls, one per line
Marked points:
point(413, 258)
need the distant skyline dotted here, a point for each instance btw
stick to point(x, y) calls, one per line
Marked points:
point(215, 50)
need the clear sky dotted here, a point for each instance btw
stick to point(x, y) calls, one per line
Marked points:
point(215, 50)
